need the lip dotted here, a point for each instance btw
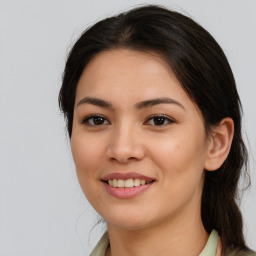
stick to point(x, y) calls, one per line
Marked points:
point(126, 193)
point(126, 176)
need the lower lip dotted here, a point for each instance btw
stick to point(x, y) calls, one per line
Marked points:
point(125, 193)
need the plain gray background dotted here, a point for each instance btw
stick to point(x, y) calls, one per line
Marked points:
point(42, 208)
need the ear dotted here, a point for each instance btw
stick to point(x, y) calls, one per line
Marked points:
point(219, 144)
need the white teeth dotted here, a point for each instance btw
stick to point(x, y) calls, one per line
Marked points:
point(120, 183)
point(114, 183)
point(126, 183)
point(136, 182)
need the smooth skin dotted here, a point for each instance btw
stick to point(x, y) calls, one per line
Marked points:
point(113, 131)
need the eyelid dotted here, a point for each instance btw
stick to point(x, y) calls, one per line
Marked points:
point(169, 119)
point(85, 120)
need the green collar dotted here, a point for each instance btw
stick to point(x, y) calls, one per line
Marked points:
point(209, 249)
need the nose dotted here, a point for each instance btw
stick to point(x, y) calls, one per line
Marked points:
point(125, 145)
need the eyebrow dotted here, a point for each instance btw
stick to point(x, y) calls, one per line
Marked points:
point(153, 102)
point(96, 102)
point(138, 106)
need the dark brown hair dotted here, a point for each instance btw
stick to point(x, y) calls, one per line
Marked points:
point(203, 71)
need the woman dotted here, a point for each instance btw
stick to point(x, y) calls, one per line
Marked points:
point(154, 119)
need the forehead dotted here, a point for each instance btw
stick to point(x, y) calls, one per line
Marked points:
point(129, 71)
point(151, 61)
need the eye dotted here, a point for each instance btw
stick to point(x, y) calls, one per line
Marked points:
point(95, 120)
point(159, 120)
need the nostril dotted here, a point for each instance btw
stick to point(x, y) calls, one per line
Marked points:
point(123, 160)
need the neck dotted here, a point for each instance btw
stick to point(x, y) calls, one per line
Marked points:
point(175, 236)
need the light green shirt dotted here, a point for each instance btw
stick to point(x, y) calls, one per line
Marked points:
point(209, 249)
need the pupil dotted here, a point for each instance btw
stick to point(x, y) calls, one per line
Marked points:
point(159, 120)
point(98, 120)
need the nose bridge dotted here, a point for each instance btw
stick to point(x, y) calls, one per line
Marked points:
point(125, 143)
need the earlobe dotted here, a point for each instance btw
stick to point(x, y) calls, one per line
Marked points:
point(219, 144)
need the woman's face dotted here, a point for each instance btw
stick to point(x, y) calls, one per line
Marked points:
point(134, 124)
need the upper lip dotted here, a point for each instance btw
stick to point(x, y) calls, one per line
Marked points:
point(126, 176)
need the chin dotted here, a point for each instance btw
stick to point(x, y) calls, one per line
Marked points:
point(129, 220)
point(127, 225)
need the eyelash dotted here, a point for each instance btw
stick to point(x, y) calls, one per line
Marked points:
point(86, 121)
point(163, 117)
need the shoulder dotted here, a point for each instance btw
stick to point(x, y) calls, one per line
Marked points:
point(236, 252)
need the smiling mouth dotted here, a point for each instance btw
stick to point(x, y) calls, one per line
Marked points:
point(128, 183)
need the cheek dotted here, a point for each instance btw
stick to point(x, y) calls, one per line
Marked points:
point(181, 171)
point(86, 155)
point(180, 158)
point(85, 151)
